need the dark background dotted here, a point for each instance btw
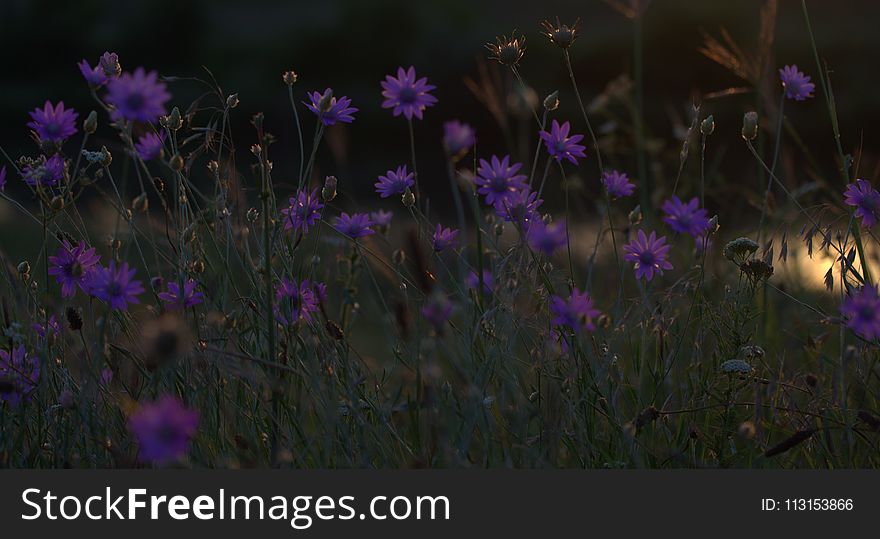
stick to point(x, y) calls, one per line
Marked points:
point(351, 45)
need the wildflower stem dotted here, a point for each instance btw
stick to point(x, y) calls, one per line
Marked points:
point(577, 94)
point(299, 134)
point(638, 117)
point(412, 149)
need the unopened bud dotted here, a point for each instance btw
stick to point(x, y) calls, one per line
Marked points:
point(750, 125)
point(24, 267)
point(232, 101)
point(177, 162)
point(107, 156)
point(635, 216)
point(551, 102)
point(110, 65)
point(253, 214)
point(707, 126)
point(57, 203)
point(173, 121)
point(399, 257)
point(408, 198)
point(289, 77)
point(141, 203)
point(326, 101)
point(328, 193)
point(90, 124)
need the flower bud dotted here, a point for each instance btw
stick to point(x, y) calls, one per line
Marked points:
point(141, 203)
point(707, 126)
point(750, 125)
point(399, 257)
point(57, 203)
point(408, 198)
point(289, 77)
point(109, 63)
point(326, 101)
point(107, 156)
point(90, 124)
point(328, 193)
point(177, 162)
point(551, 102)
point(253, 214)
point(232, 101)
point(74, 319)
point(24, 267)
point(635, 216)
point(173, 121)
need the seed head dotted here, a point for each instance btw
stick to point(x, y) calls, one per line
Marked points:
point(561, 35)
point(289, 77)
point(74, 319)
point(507, 50)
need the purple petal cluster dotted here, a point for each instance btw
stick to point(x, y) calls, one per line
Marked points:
point(797, 86)
point(436, 311)
point(458, 138)
point(53, 123)
point(498, 180)
point(407, 95)
point(304, 211)
point(297, 301)
point(649, 255)
point(114, 285)
point(176, 301)
point(520, 208)
point(47, 174)
point(560, 145)
point(394, 182)
point(150, 145)
point(472, 281)
point(94, 75)
point(356, 225)
point(382, 219)
point(138, 96)
point(330, 110)
point(687, 218)
point(163, 429)
point(546, 238)
point(444, 238)
point(617, 184)
point(866, 200)
point(19, 372)
point(861, 310)
point(72, 267)
point(575, 312)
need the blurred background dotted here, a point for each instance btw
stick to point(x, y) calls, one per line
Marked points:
point(351, 44)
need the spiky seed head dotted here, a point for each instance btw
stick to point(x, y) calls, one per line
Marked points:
point(507, 50)
point(561, 35)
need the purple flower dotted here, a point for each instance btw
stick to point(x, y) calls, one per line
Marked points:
point(54, 328)
point(866, 199)
point(150, 145)
point(356, 225)
point(47, 174)
point(617, 184)
point(546, 238)
point(72, 266)
point(295, 302)
point(687, 218)
point(436, 311)
point(330, 110)
point(54, 124)
point(19, 372)
point(576, 312)
point(797, 86)
point(304, 211)
point(114, 285)
point(520, 207)
point(109, 63)
point(139, 96)
point(382, 218)
point(473, 281)
point(3, 179)
point(94, 75)
point(458, 138)
point(176, 301)
point(499, 180)
point(163, 429)
point(394, 182)
point(444, 238)
point(560, 145)
point(862, 312)
point(407, 95)
point(648, 254)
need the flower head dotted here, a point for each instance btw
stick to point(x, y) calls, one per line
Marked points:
point(295, 302)
point(176, 301)
point(436, 311)
point(109, 64)
point(546, 238)
point(561, 35)
point(862, 312)
point(163, 429)
point(304, 211)
point(47, 174)
point(406, 95)
point(498, 180)
point(138, 96)
point(797, 85)
point(382, 219)
point(649, 255)
point(356, 225)
point(507, 50)
point(458, 138)
point(150, 145)
point(444, 238)
point(687, 218)
point(394, 182)
point(617, 184)
point(473, 281)
point(520, 207)
point(560, 145)
point(53, 123)
point(51, 329)
point(94, 75)
point(114, 285)
point(576, 312)
point(19, 372)
point(72, 266)
point(866, 200)
point(329, 109)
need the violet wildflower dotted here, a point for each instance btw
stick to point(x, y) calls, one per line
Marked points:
point(295, 302)
point(866, 200)
point(356, 225)
point(687, 218)
point(520, 207)
point(114, 285)
point(138, 96)
point(109, 64)
point(444, 238)
point(617, 184)
point(797, 86)
point(406, 95)
point(862, 312)
point(71, 266)
point(473, 281)
point(498, 180)
point(19, 372)
point(382, 220)
point(330, 110)
point(458, 138)
point(394, 182)
point(546, 238)
point(94, 75)
point(304, 211)
point(576, 312)
point(150, 145)
point(53, 123)
point(176, 301)
point(560, 145)
point(436, 311)
point(47, 174)
point(2, 178)
point(649, 255)
point(51, 329)
point(163, 429)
